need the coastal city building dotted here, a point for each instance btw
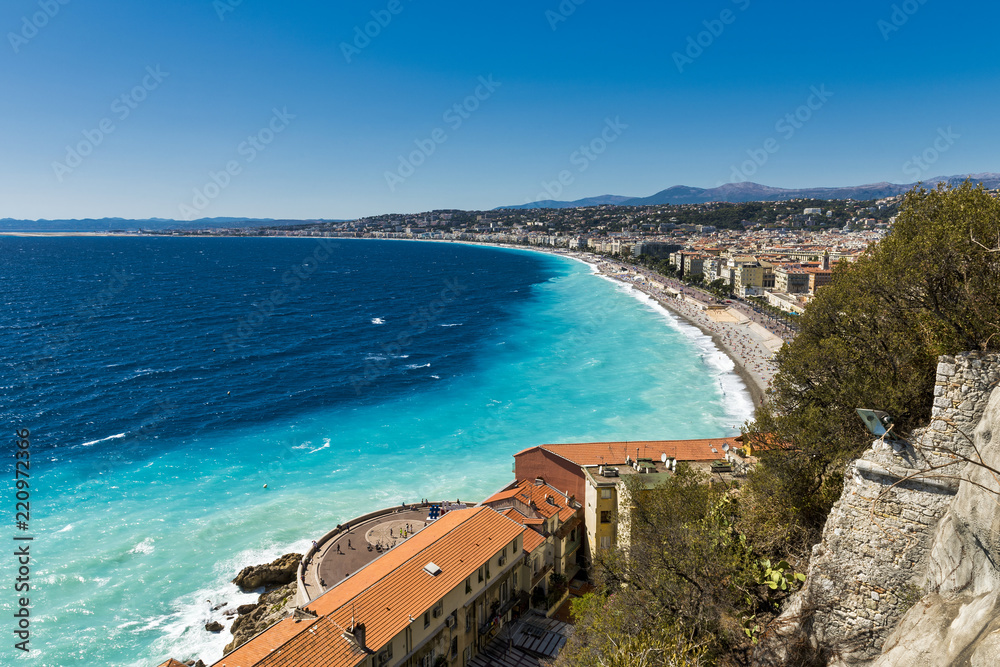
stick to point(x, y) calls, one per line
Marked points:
point(442, 593)
point(554, 536)
point(594, 472)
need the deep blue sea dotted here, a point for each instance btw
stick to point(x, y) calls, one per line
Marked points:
point(165, 381)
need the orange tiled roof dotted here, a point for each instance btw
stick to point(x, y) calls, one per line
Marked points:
point(614, 453)
point(532, 540)
point(388, 591)
point(259, 647)
point(173, 663)
point(323, 644)
point(527, 492)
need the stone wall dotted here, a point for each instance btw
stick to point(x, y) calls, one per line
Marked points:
point(869, 568)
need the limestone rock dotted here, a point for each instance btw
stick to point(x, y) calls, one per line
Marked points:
point(905, 526)
point(278, 573)
point(958, 622)
point(214, 626)
point(271, 607)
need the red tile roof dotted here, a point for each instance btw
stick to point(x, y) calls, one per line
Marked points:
point(173, 663)
point(392, 589)
point(384, 595)
point(614, 453)
point(260, 646)
point(532, 540)
point(527, 491)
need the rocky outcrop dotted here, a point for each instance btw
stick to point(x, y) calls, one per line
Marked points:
point(271, 607)
point(958, 622)
point(882, 540)
point(278, 573)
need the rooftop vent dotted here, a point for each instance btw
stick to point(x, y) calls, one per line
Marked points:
point(432, 569)
point(539, 481)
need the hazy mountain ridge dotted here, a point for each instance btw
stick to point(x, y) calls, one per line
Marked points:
point(738, 193)
point(149, 224)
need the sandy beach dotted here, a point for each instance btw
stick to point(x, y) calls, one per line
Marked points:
point(748, 343)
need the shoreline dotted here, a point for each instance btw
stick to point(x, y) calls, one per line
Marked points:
point(742, 352)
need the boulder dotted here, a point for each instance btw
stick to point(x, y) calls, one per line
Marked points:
point(278, 573)
point(271, 607)
point(214, 626)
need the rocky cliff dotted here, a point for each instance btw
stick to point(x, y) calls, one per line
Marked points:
point(275, 603)
point(894, 562)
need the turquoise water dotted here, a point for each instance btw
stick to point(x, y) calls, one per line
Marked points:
point(130, 548)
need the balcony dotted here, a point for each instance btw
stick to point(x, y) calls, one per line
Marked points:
point(538, 576)
point(497, 613)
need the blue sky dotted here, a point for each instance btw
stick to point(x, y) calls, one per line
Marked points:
point(259, 108)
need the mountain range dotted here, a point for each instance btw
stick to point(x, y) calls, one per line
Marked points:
point(737, 193)
point(148, 224)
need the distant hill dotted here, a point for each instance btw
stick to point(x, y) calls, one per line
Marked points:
point(150, 224)
point(737, 193)
point(603, 200)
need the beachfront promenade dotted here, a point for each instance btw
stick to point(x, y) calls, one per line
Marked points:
point(353, 545)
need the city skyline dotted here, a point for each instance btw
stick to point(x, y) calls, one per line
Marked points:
point(300, 110)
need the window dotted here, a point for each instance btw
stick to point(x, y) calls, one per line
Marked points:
point(468, 653)
point(385, 655)
point(468, 620)
point(480, 575)
point(468, 585)
point(606, 493)
point(454, 647)
point(427, 618)
point(515, 580)
point(606, 516)
point(605, 542)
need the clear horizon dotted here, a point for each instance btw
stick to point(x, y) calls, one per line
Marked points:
point(231, 108)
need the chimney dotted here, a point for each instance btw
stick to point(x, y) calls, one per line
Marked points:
point(539, 481)
point(356, 635)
